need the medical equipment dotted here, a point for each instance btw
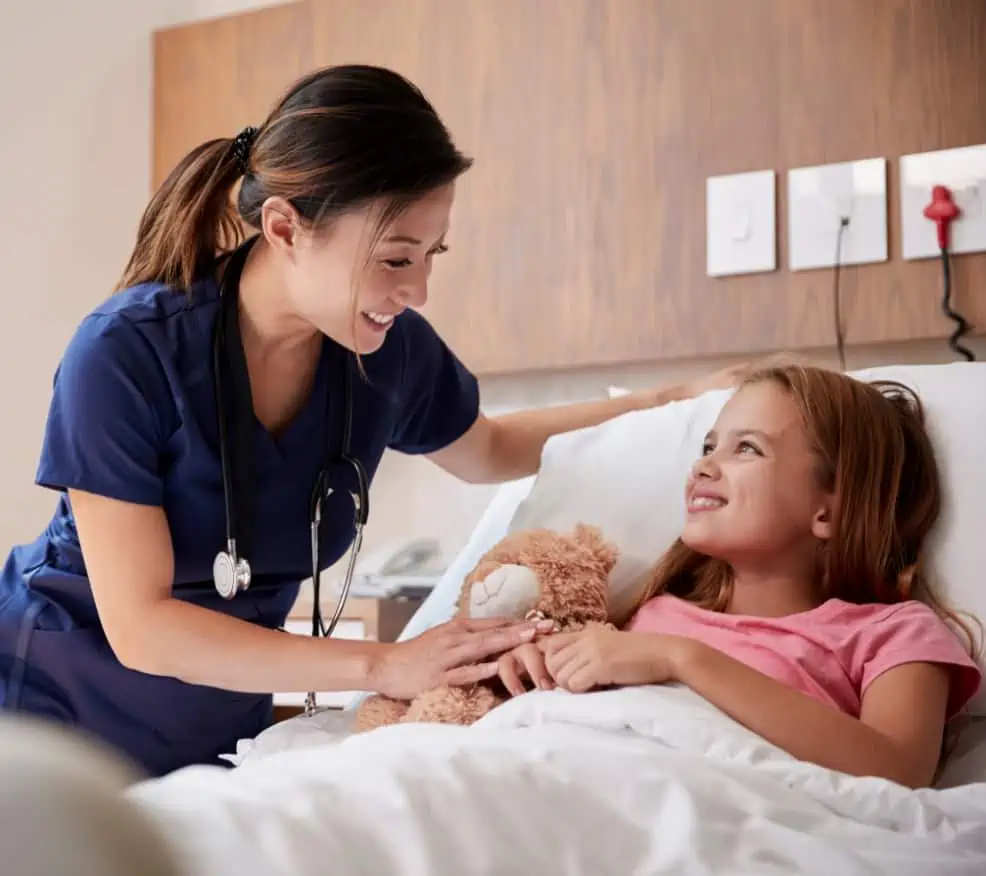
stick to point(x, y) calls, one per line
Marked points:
point(231, 570)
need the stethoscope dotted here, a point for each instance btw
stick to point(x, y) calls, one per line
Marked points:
point(231, 571)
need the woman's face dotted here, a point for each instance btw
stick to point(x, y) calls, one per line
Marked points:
point(754, 495)
point(326, 267)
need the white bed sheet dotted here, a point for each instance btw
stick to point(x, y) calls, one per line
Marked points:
point(966, 761)
point(635, 781)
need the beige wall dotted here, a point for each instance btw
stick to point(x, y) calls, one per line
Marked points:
point(75, 92)
point(75, 153)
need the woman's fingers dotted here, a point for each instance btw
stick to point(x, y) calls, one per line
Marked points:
point(462, 675)
point(478, 646)
point(476, 625)
point(474, 646)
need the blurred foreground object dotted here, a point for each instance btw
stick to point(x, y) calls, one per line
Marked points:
point(62, 810)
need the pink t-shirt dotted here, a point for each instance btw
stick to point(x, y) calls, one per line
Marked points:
point(832, 652)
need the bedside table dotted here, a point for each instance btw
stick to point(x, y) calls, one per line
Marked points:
point(363, 618)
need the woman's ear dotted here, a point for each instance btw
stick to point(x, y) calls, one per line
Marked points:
point(279, 220)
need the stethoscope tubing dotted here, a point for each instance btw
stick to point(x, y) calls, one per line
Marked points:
point(231, 570)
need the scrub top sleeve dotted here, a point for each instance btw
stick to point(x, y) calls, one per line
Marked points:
point(439, 395)
point(103, 434)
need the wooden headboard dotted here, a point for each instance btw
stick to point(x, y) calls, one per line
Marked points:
point(579, 236)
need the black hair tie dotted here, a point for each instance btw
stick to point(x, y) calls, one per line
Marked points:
point(242, 144)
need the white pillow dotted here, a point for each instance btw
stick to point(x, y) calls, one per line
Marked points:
point(627, 476)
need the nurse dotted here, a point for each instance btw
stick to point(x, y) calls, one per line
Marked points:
point(110, 621)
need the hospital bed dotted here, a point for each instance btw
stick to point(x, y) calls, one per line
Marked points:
point(632, 781)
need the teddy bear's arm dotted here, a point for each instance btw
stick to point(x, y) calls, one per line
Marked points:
point(453, 705)
point(378, 711)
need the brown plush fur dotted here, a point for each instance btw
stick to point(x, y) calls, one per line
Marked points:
point(573, 573)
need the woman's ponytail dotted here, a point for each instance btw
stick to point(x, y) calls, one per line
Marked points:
point(191, 218)
point(340, 138)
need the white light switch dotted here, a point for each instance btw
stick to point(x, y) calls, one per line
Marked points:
point(818, 199)
point(964, 172)
point(741, 232)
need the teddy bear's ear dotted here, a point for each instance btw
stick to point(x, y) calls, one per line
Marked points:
point(592, 538)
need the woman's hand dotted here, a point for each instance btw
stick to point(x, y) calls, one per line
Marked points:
point(725, 378)
point(598, 656)
point(456, 652)
point(525, 661)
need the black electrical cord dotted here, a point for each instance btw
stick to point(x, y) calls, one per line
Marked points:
point(961, 326)
point(840, 341)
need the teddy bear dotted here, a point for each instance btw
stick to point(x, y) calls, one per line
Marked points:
point(535, 574)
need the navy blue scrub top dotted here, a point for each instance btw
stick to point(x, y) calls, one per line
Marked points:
point(133, 417)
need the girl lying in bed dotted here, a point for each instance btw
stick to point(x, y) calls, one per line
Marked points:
point(794, 599)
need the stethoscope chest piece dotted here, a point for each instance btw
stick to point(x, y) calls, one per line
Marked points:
point(230, 573)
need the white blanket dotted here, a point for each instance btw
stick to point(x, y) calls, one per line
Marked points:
point(634, 781)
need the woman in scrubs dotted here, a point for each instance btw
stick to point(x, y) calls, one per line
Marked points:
point(110, 621)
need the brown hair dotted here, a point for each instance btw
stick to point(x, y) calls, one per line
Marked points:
point(874, 454)
point(340, 138)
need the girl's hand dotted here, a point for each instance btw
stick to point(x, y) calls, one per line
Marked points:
point(598, 656)
point(524, 661)
point(461, 651)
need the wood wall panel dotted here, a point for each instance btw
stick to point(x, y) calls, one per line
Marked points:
point(212, 78)
point(579, 236)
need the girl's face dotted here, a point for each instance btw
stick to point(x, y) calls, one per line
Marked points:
point(753, 496)
point(325, 269)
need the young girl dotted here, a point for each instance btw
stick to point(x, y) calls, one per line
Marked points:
point(794, 600)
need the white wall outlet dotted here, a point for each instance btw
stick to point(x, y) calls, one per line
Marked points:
point(820, 197)
point(741, 223)
point(963, 170)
